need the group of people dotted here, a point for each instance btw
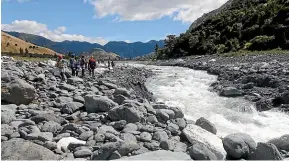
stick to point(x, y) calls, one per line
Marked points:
point(78, 64)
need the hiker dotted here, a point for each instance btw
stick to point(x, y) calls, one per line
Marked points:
point(61, 66)
point(76, 66)
point(91, 65)
point(83, 65)
point(112, 64)
point(72, 64)
point(108, 65)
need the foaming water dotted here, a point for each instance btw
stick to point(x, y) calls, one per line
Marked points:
point(189, 90)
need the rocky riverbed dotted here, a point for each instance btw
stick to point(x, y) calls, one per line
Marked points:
point(111, 116)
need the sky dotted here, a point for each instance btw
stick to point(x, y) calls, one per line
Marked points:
point(101, 21)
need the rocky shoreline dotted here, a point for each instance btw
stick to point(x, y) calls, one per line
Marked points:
point(112, 116)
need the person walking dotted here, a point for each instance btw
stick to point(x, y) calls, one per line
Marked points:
point(108, 65)
point(77, 66)
point(83, 65)
point(72, 64)
point(91, 65)
point(61, 64)
point(112, 64)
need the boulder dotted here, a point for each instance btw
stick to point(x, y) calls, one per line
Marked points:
point(159, 155)
point(231, 92)
point(85, 135)
point(207, 125)
point(195, 134)
point(51, 126)
point(199, 151)
point(18, 92)
point(160, 136)
point(74, 80)
point(145, 137)
point(164, 115)
point(121, 91)
point(128, 147)
point(78, 98)
point(127, 113)
point(282, 143)
point(239, 145)
point(94, 104)
point(67, 87)
point(71, 107)
point(119, 125)
point(82, 153)
point(105, 150)
point(48, 117)
point(130, 127)
point(265, 151)
point(8, 113)
point(19, 149)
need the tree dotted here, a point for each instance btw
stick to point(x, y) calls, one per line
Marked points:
point(26, 51)
point(21, 51)
point(156, 48)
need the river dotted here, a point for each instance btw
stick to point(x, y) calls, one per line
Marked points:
point(190, 90)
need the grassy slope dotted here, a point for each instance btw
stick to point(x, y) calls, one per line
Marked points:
point(6, 38)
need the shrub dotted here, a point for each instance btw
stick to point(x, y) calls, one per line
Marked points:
point(262, 43)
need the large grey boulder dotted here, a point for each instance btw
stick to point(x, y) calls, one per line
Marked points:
point(71, 107)
point(67, 87)
point(122, 91)
point(159, 155)
point(207, 125)
point(8, 113)
point(19, 149)
point(265, 151)
point(128, 113)
point(48, 117)
point(18, 92)
point(51, 126)
point(231, 92)
point(73, 80)
point(195, 134)
point(94, 104)
point(199, 151)
point(105, 150)
point(239, 145)
point(282, 143)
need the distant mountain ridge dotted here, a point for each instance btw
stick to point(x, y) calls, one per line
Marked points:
point(123, 49)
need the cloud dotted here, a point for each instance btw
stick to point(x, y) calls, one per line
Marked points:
point(133, 10)
point(58, 35)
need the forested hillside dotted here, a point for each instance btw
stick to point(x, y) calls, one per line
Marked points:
point(242, 25)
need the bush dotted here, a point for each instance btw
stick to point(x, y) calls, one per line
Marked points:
point(262, 43)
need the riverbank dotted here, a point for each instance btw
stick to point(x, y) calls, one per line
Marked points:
point(262, 79)
point(104, 118)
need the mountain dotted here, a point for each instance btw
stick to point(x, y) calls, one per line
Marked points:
point(11, 44)
point(100, 54)
point(124, 49)
point(130, 50)
point(237, 25)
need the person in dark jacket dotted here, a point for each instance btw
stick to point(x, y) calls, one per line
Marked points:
point(83, 65)
point(91, 65)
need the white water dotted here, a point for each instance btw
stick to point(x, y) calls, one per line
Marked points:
point(189, 90)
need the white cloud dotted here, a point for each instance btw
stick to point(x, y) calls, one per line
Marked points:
point(132, 10)
point(33, 27)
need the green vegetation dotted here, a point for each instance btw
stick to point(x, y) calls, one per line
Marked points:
point(244, 25)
